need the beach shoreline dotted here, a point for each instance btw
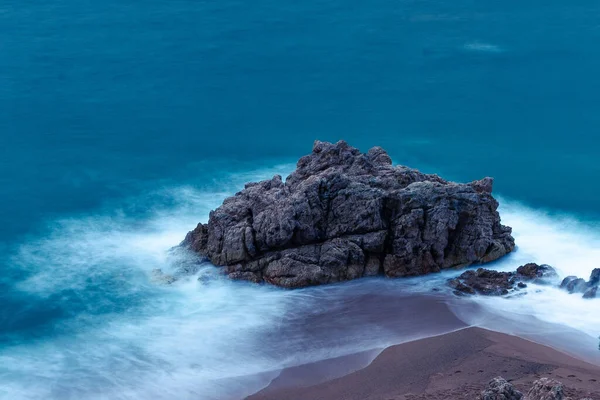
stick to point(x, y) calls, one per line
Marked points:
point(453, 365)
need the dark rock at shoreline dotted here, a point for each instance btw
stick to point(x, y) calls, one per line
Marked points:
point(591, 293)
point(573, 284)
point(566, 281)
point(485, 282)
point(493, 283)
point(534, 271)
point(594, 277)
point(342, 215)
point(500, 389)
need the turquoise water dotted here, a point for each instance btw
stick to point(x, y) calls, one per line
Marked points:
point(124, 123)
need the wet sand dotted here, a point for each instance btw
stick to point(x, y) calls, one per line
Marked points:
point(455, 365)
point(338, 330)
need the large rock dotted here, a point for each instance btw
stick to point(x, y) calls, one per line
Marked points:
point(499, 389)
point(343, 215)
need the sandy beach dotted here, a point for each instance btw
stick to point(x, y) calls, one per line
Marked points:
point(456, 365)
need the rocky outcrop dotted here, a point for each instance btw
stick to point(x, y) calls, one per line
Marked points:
point(573, 284)
point(493, 283)
point(500, 389)
point(342, 215)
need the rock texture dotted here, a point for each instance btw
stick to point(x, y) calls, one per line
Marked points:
point(484, 281)
point(500, 389)
point(573, 284)
point(536, 272)
point(494, 283)
point(342, 215)
point(542, 389)
point(546, 389)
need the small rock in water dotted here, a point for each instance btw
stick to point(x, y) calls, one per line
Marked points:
point(546, 389)
point(160, 277)
point(499, 389)
point(576, 286)
point(589, 289)
point(591, 293)
point(534, 271)
point(566, 281)
point(484, 281)
point(493, 283)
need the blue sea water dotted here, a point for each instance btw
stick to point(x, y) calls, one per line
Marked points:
point(123, 123)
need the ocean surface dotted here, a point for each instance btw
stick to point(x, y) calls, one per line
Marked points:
point(124, 123)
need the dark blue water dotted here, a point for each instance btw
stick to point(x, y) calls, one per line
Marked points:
point(109, 108)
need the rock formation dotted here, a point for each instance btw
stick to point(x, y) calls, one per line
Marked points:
point(573, 284)
point(483, 281)
point(542, 389)
point(546, 389)
point(500, 389)
point(494, 283)
point(535, 272)
point(342, 215)
point(159, 277)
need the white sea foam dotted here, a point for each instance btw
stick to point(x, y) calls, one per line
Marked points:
point(546, 313)
point(132, 339)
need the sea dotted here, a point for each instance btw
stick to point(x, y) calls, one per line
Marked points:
point(123, 123)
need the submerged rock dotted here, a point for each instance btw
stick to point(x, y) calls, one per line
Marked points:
point(342, 215)
point(500, 389)
point(160, 277)
point(493, 283)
